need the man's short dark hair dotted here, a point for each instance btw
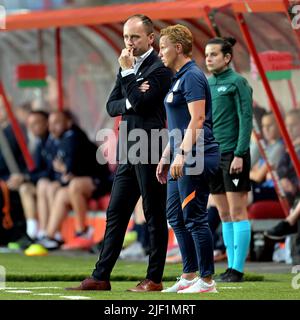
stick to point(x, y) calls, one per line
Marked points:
point(147, 22)
point(41, 113)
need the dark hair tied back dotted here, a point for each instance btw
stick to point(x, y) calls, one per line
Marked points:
point(226, 44)
point(231, 40)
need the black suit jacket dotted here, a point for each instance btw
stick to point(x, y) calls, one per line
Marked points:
point(148, 111)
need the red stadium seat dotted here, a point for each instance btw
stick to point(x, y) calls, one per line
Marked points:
point(268, 209)
point(97, 219)
point(99, 204)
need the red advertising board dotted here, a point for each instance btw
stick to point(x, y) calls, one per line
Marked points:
point(276, 60)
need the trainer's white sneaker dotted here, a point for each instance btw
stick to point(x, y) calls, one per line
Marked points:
point(181, 284)
point(200, 287)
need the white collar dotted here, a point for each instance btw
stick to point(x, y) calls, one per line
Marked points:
point(140, 59)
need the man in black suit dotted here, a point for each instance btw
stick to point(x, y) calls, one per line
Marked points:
point(142, 84)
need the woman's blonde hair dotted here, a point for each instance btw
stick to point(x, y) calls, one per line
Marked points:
point(179, 34)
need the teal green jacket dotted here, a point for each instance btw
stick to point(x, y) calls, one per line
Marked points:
point(231, 111)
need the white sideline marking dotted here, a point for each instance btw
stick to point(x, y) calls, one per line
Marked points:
point(18, 291)
point(22, 291)
point(29, 288)
point(46, 294)
point(75, 297)
point(41, 288)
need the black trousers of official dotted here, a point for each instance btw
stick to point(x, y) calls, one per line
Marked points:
point(130, 182)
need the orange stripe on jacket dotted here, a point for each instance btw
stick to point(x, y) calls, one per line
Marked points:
point(189, 198)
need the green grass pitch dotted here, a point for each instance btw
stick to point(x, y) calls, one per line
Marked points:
point(45, 278)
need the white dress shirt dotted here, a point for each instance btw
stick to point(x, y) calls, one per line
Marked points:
point(137, 64)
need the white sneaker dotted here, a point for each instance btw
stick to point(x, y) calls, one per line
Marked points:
point(50, 244)
point(134, 251)
point(181, 284)
point(200, 287)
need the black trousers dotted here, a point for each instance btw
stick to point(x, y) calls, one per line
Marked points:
point(130, 182)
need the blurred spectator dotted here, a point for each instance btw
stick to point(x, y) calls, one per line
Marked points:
point(37, 125)
point(289, 180)
point(22, 113)
point(47, 186)
point(8, 133)
point(80, 178)
point(285, 227)
point(258, 113)
point(263, 187)
point(286, 172)
point(11, 163)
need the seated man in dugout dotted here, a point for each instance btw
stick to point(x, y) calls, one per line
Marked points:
point(262, 186)
point(47, 186)
point(289, 180)
point(81, 178)
point(286, 172)
point(6, 164)
point(43, 153)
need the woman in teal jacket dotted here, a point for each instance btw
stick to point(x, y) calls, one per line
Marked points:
point(232, 126)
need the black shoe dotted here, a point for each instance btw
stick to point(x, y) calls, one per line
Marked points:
point(24, 242)
point(280, 231)
point(234, 276)
point(223, 276)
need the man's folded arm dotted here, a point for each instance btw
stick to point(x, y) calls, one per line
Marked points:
point(116, 104)
point(159, 82)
